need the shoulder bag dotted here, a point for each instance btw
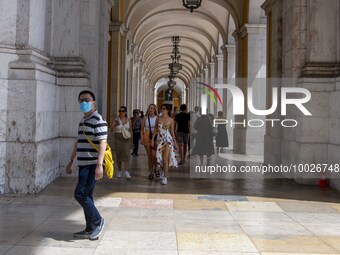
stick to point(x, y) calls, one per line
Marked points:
point(126, 133)
point(108, 161)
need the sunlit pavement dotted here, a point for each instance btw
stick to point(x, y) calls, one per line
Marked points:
point(186, 217)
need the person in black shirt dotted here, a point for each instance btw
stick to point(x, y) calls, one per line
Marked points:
point(182, 120)
point(136, 122)
point(222, 135)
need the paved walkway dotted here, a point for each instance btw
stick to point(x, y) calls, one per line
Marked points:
point(186, 217)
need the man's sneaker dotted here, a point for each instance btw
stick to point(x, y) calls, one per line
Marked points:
point(127, 174)
point(164, 181)
point(98, 230)
point(119, 174)
point(82, 234)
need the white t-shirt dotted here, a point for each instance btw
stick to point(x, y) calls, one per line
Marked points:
point(152, 123)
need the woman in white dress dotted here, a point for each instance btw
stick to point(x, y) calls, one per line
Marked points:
point(165, 154)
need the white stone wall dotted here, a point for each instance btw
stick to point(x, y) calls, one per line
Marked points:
point(37, 24)
point(66, 30)
point(8, 21)
point(307, 49)
point(42, 47)
point(6, 56)
point(32, 146)
point(334, 133)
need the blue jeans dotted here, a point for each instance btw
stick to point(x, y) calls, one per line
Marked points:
point(83, 194)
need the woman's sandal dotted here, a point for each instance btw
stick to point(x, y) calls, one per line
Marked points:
point(150, 177)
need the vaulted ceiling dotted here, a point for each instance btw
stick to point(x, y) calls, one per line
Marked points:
point(152, 23)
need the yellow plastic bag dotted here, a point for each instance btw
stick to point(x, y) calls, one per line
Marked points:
point(108, 162)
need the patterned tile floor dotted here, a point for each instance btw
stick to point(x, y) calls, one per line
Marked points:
point(186, 217)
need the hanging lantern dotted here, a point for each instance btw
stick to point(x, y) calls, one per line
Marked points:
point(192, 4)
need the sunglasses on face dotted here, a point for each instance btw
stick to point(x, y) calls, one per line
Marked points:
point(163, 108)
point(121, 111)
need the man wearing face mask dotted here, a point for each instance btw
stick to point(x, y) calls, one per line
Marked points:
point(90, 162)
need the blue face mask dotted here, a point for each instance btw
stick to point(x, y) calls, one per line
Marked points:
point(85, 107)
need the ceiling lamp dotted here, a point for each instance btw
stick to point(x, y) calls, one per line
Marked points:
point(192, 4)
point(175, 66)
point(171, 84)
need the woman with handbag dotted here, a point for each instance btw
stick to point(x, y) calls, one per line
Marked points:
point(148, 126)
point(122, 134)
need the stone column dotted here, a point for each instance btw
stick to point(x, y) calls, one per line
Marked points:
point(317, 136)
point(138, 85)
point(196, 94)
point(221, 73)
point(212, 73)
point(115, 79)
point(190, 101)
point(186, 93)
point(144, 102)
point(199, 92)
point(193, 94)
point(252, 68)
point(207, 80)
point(129, 86)
point(273, 136)
point(154, 96)
point(226, 75)
point(8, 21)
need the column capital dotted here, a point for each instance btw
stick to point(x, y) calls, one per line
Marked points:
point(113, 2)
point(317, 69)
point(220, 57)
point(268, 5)
point(212, 61)
point(115, 26)
point(206, 72)
point(250, 29)
point(136, 58)
point(123, 30)
point(110, 4)
point(227, 47)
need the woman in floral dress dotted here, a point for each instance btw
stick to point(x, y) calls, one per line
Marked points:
point(167, 145)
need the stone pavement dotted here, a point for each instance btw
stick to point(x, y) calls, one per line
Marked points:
point(186, 217)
